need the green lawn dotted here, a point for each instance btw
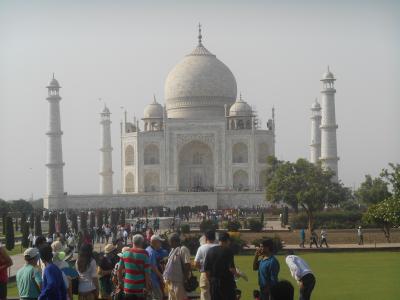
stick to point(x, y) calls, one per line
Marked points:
point(352, 276)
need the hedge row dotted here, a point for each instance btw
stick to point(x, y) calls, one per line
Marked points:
point(330, 220)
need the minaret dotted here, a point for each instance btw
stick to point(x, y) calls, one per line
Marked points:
point(315, 146)
point(106, 173)
point(55, 164)
point(329, 158)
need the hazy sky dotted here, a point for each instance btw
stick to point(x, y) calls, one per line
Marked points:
point(122, 52)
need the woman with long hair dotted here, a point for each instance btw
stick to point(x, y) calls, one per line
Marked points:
point(86, 267)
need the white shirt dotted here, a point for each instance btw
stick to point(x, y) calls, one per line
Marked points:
point(297, 266)
point(202, 253)
point(86, 278)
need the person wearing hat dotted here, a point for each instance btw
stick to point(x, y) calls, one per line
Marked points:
point(220, 269)
point(29, 278)
point(156, 276)
point(104, 271)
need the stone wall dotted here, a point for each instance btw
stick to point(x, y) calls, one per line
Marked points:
point(171, 199)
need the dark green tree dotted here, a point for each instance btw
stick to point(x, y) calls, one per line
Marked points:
point(100, 218)
point(4, 222)
point(32, 220)
point(38, 225)
point(305, 185)
point(10, 240)
point(16, 224)
point(74, 221)
point(106, 216)
point(23, 221)
point(83, 219)
point(114, 217)
point(122, 220)
point(21, 205)
point(92, 219)
point(392, 176)
point(62, 217)
point(52, 223)
point(372, 191)
point(25, 234)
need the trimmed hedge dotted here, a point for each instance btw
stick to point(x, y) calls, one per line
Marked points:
point(232, 225)
point(255, 225)
point(330, 220)
point(208, 225)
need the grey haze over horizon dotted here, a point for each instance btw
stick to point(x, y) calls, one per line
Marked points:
point(122, 51)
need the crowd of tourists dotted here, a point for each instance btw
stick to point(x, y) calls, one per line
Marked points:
point(151, 266)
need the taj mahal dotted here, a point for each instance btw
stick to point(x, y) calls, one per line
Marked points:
point(204, 146)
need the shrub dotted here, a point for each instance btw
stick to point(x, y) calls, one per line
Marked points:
point(63, 222)
point(25, 234)
point(237, 244)
point(330, 220)
point(233, 225)
point(207, 225)
point(52, 223)
point(275, 239)
point(192, 243)
point(10, 241)
point(185, 228)
point(38, 225)
point(255, 225)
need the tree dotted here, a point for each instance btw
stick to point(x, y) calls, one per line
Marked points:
point(372, 190)
point(20, 205)
point(306, 185)
point(38, 225)
point(83, 218)
point(393, 177)
point(122, 217)
point(10, 240)
point(386, 214)
point(32, 220)
point(25, 234)
point(92, 220)
point(52, 223)
point(99, 216)
point(74, 221)
point(63, 222)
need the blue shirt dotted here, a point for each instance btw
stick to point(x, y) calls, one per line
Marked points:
point(153, 263)
point(302, 234)
point(53, 284)
point(268, 270)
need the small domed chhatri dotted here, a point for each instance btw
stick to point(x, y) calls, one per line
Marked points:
point(240, 108)
point(328, 75)
point(153, 110)
point(53, 83)
point(199, 86)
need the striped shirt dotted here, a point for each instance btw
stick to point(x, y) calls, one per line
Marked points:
point(136, 264)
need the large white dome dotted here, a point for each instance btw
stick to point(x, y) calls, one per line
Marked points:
point(199, 86)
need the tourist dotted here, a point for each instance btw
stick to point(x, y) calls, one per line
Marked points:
point(302, 238)
point(268, 268)
point(156, 275)
point(323, 240)
point(302, 273)
point(199, 263)
point(5, 263)
point(29, 278)
point(313, 239)
point(53, 286)
point(134, 270)
point(104, 271)
point(360, 236)
point(220, 269)
point(86, 266)
point(283, 290)
point(177, 269)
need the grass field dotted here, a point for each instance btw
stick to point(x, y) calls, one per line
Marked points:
point(348, 276)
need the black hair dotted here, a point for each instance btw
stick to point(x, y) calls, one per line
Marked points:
point(268, 243)
point(224, 237)
point(283, 290)
point(40, 240)
point(210, 235)
point(85, 256)
point(290, 252)
point(256, 294)
point(46, 253)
